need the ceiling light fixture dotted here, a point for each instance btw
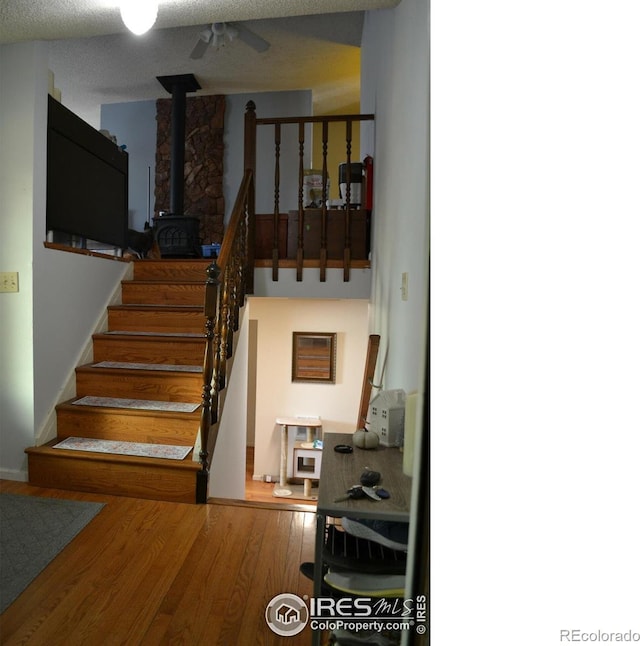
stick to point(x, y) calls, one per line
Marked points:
point(139, 15)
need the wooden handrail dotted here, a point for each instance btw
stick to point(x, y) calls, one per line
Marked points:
point(251, 124)
point(225, 290)
point(328, 119)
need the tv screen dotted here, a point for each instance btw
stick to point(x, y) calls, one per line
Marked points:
point(87, 180)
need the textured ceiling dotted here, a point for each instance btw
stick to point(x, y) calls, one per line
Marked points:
point(314, 45)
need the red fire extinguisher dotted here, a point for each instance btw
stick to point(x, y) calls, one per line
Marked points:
point(368, 182)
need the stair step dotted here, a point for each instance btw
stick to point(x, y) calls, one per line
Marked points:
point(171, 269)
point(159, 367)
point(136, 404)
point(140, 381)
point(154, 292)
point(149, 347)
point(156, 318)
point(120, 475)
point(144, 387)
point(122, 424)
point(134, 449)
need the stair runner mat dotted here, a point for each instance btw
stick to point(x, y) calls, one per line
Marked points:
point(139, 449)
point(195, 335)
point(147, 366)
point(138, 404)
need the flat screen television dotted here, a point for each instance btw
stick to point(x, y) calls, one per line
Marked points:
point(87, 180)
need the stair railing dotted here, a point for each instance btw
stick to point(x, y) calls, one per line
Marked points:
point(250, 134)
point(228, 277)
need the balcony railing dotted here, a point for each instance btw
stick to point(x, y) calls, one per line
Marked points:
point(330, 227)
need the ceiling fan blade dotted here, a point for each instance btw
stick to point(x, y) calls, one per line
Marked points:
point(250, 38)
point(202, 44)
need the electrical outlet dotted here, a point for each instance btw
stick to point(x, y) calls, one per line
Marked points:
point(8, 281)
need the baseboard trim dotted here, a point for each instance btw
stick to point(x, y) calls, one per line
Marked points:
point(14, 474)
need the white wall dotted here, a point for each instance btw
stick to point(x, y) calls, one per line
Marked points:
point(268, 104)
point(276, 396)
point(358, 286)
point(394, 87)
point(21, 82)
point(228, 463)
point(134, 125)
point(62, 296)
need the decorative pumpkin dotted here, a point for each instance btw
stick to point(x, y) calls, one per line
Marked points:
point(365, 439)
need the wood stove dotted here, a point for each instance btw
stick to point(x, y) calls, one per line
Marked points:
point(178, 235)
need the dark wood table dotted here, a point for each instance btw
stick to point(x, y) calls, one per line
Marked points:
point(339, 472)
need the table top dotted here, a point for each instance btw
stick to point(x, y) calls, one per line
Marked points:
point(340, 471)
point(309, 422)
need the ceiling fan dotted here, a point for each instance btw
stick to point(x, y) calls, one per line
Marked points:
point(219, 33)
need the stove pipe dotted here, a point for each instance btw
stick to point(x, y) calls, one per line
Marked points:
point(178, 86)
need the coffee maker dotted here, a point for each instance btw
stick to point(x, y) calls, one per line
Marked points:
point(355, 192)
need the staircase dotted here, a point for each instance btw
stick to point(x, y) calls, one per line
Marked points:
point(144, 386)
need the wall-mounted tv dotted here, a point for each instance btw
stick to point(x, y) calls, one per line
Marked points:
point(87, 180)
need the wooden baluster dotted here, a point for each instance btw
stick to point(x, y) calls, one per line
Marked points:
point(242, 268)
point(347, 213)
point(233, 297)
point(235, 289)
point(325, 197)
point(300, 251)
point(215, 380)
point(224, 329)
point(211, 294)
point(249, 235)
point(250, 128)
point(276, 207)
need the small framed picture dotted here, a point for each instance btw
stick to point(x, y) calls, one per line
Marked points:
point(314, 357)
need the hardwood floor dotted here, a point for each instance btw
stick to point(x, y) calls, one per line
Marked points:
point(149, 572)
point(257, 491)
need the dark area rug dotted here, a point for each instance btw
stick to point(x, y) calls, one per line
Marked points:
point(33, 531)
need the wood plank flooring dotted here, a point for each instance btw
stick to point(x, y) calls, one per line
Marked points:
point(262, 492)
point(149, 572)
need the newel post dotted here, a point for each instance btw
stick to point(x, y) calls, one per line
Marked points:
point(210, 305)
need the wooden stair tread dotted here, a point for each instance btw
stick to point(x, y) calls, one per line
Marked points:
point(145, 412)
point(118, 402)
point(47, 450)
point(146, 307)
point(124, 367)
point(150, 356)
point(140, 335)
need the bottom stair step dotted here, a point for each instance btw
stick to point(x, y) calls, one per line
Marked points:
point(120, 475)
point(128, 424)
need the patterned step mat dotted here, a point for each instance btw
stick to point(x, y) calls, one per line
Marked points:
point(147, 366)
point(138, 449)
point(137, 404)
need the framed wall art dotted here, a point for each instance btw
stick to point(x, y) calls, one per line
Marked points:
point(314, 357)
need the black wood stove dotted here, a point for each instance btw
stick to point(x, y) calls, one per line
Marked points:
point(178, 235)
